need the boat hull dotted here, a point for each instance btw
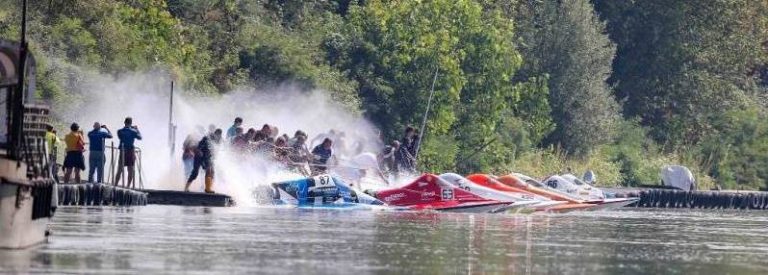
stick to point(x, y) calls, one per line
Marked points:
point(17, 228)
point(611, 204)
point(463, 208)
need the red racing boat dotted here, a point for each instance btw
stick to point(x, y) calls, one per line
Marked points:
point(430, 192)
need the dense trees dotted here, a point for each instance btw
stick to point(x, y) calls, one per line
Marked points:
point(566, 41)
point(681, 65)
point(688, 69)
point(394, 50)
point(622, 87)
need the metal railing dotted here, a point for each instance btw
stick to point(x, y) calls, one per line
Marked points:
point(111, 166)
point(114, 162)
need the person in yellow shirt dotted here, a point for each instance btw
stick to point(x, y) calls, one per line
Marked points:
point(74, 161)
point(53, 145)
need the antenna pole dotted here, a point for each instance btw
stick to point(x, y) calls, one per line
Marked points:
point(426, 114)
point(171, 127)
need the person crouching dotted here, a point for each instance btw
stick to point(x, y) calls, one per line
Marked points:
point(204, 159)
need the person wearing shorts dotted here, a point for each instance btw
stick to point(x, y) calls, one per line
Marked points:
point(127, 158)
point(74, 160)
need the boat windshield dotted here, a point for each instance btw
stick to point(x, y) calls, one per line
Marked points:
point(534, 183)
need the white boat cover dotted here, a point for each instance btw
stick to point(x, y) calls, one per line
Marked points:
point(678, 176)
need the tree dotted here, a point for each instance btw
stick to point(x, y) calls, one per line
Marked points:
point(682, 64)
point(395, 48)
point(565, 41)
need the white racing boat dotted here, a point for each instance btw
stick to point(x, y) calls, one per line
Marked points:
point(521, 200)
point(583, 194)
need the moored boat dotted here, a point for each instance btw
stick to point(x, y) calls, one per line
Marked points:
point(430, 192)
point(27, 189)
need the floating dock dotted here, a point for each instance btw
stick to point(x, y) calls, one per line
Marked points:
point(672, 198)
point(99, 194)
point(89, 194)
point(169, 197)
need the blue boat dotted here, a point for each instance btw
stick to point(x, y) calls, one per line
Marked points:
point(322, 191)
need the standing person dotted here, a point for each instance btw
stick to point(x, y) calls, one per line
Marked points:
point(232, 131)
point(216, 137)
point(388, 158)
point(414, 148)
point(322, 154)
point(188, 156)
point(406, 154)
point(53, 150)
point(204, 159)
point(299, 153)
point(96, 156)
point(241, 142)
point(74, 159)
point(127, 158)
point(322, 136)
point(239, 132)
point(267, 131)
point(410, 140)
point(298, 145)
point(281, 151)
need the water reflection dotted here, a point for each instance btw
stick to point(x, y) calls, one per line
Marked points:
point(156, 239)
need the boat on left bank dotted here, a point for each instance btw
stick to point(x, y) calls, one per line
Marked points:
point(28, 195)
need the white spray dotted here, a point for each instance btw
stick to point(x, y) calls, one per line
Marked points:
point(145, 97)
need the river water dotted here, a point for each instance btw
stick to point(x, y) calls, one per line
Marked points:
point(169, 239)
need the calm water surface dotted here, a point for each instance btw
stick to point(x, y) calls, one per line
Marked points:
point(166, 239)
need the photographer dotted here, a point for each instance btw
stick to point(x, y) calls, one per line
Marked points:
point(96, 156)
point(127, 135)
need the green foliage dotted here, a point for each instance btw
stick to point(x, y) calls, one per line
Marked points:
point(636, 156)
point(738, 154)
point(566, 41)
point(394, 51)
point(533, 110)
point(683, 64)
point(541, 163)
point(438, 154)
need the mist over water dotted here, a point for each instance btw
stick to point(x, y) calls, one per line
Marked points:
point(146, 98)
